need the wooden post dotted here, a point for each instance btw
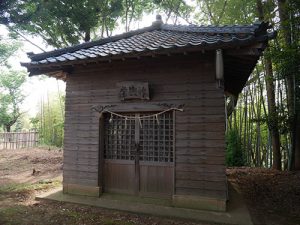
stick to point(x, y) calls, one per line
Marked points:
point(137, 154)
point(101, 167)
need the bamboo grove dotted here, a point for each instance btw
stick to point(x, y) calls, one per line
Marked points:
point(266, 118)
point(250, 121)
point(49, 121)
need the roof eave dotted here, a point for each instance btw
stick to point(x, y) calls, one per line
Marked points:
point(162, 51)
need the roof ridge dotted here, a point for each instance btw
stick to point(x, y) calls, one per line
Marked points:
point(235, 28)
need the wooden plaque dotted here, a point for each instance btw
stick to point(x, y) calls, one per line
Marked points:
point(133, 90)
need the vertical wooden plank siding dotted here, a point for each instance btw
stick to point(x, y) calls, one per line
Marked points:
point(199, 139)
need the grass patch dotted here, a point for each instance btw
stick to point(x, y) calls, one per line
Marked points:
point(126, 223)
point(49, 147)
point(11, 215)
point(41, 185)
point(113, 222)
point(108, 222)
point(8, 212)
point(74, 214)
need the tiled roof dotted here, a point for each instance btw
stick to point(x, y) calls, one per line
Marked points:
point(155, 38)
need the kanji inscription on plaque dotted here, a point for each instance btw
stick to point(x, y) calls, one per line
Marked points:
point(130, 90)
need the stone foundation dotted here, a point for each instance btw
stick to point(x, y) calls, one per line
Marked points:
point(180, 201)
point(196, 202)
point(77, 189)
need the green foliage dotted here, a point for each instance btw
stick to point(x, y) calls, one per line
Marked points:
point(133, 10)
point(50, 121)
point(234, 149)
point(285, 60)
point(218, 12)
point(62, 22)
point(7, 49)
point(11, 97)
point(174, 9)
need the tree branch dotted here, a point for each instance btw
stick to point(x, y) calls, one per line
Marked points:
point(19, 33)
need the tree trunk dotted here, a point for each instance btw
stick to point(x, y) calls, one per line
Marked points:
point(272, 113)
point(273, 116)
point(297, 144)
point(246, 128)
point(87, 36)
point(8, 128)
point(259, 8)
point(294, 125)
point(284, 21)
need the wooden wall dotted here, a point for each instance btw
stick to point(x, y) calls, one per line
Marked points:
point(187, 79)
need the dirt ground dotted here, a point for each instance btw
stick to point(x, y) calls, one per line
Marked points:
point(272, 197)
point(26, 173)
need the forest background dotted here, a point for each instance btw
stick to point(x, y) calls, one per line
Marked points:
point(263, 127)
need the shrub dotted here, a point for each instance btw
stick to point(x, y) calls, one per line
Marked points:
point(234, 149)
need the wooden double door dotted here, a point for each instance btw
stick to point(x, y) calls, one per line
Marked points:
point(139, 154)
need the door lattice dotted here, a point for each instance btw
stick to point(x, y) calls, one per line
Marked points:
point(119, 138)
point(156, 138)
point(154, 135)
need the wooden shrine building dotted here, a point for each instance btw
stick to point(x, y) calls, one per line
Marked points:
point(145, 110)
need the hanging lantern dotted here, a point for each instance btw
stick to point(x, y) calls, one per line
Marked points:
point(219, 66)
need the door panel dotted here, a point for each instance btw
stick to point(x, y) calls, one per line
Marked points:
point(156, 179)
point(138, 154)
point(119, 176)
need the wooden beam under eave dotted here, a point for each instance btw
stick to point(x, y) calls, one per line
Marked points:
point(244, 52)
point(61, 75)
point(241, 59)
point(48, 70)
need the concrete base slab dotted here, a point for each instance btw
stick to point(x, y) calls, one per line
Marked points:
point(237, 212)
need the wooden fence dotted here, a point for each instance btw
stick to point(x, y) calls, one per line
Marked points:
point(17, 140)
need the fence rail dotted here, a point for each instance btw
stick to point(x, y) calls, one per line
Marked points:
point(17, 140)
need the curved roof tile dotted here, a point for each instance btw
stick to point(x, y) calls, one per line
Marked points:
point(154, 38)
